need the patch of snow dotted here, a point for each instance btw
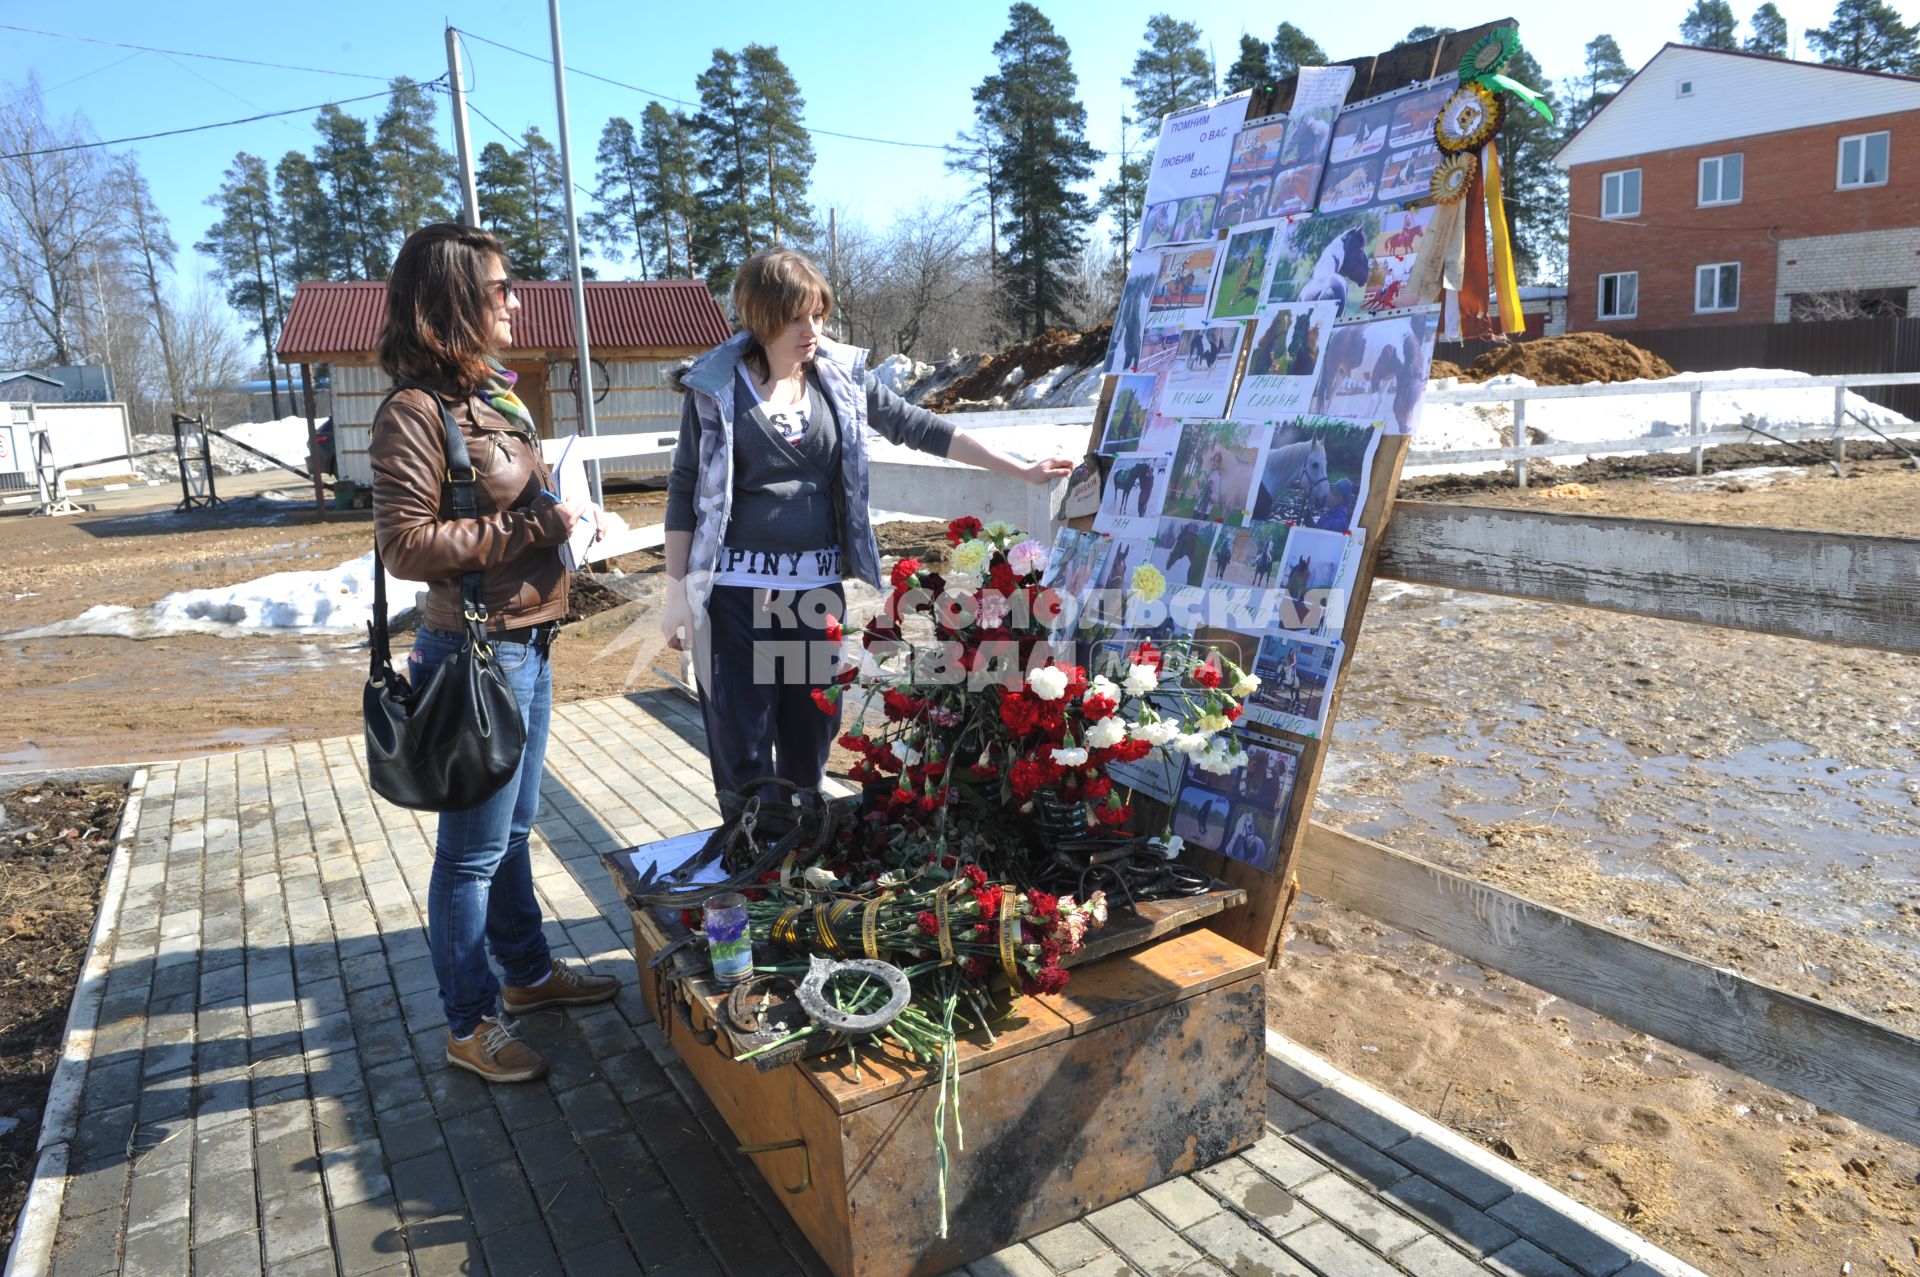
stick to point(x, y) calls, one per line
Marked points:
point(1747, 477)
point(1013, 378)
point(1034, 393)
point(898, 373)
point(335, 600)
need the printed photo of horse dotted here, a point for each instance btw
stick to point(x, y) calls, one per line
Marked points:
point(1243, 200)
point(1182, 549)
point(1213, 471)
point(1294, 190)
point(1136, 486)
point(1287, 338)
point(1325, 259)
point(1296, 682)
point(1185, 279)
point(1315, 472)
point(1255, 798)
point(1243, 273)
point(1202, 371)
point(1071, 565)
point(1248, 558)
point(1127, 412)
point(1315, 575)
point(1200, 817)
point(1414, 114)
point(1130, 320)
point(1359, 133)
point(1351, 185)
point(1377, 372)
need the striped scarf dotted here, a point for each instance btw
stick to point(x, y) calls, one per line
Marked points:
point(499, 393)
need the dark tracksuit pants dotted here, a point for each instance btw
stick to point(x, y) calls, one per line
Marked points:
point(756, 676)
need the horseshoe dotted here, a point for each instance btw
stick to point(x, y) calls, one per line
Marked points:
point(812, 993)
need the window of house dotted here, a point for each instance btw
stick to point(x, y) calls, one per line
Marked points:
point(1863, 160)
point(1716, 287)
point(1685, 89)
point(1721, 179)
point(1620, 193)
point(1620, 295)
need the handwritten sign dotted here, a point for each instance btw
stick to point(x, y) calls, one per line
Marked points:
point(1195, 148)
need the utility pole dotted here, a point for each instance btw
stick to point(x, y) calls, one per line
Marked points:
point(583, 369)
point(469, 200)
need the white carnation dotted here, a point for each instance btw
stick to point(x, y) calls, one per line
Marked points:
point(1190, 743)
point(1106, 733)
point(1075, 757)
point(1247, 686)
point(1142, 680)
point(1048, 683)
point(1103, 686)
point(1156, 733)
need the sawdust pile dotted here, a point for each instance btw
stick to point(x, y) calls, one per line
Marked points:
point(1570, 360)
point(1036, 355)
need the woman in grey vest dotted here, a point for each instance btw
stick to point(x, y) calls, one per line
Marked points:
point(767, 512)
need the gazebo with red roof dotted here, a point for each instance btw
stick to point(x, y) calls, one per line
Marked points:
point(637, 330)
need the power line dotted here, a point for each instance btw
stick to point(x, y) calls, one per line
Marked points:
point(501, 130)
point(211, 57)
point(668, 97)
point(201, 128)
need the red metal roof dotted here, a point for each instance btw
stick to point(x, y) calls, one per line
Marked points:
point(330, 321)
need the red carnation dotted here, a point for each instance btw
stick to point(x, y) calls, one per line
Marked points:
point(1207, 675)
point(983, 771)
point(901, 797)
point(962, 528)
point(1146, 654)
point(988, 898)
point(1019, 712)
point(977, 966)
point(903, 572)
point(853, 741)
point(1131, 750)
point(1001, 578)
point(1232, 713)
point(1050, 979)
point(826, 704)
point(1043, 905)
point(928, 923)
point(926, 803)
point(1114, 815)
point(833, 629)
point(975, 875)
point(1098, 789)
point(1095, 708)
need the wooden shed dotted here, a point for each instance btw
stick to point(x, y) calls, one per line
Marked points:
point(638, 331)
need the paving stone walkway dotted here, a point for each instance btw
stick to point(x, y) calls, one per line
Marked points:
point(266, 1093)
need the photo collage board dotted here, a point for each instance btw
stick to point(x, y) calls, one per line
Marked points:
point(1262, 352)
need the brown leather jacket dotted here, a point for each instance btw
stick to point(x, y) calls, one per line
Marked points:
point(514, 539)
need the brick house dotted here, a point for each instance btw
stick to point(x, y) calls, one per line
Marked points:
point(1726, 188)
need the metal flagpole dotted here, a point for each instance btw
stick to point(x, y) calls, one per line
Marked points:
point(583, 379)
point(469, 200)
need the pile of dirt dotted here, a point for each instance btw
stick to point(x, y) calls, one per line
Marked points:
point(1571, 360)
point(1037, 355)
point(55, 841)
point(1444, 368)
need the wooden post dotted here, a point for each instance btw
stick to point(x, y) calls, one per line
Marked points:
point(1520, 441)
point(1693, 428)
point(313, 448)
point(1839, 423)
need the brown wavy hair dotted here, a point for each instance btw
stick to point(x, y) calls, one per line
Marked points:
point(439, 326)
point(772, 289)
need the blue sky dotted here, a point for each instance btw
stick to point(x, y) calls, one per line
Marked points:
point(896, 70)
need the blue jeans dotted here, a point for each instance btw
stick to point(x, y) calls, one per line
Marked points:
point(481, 894)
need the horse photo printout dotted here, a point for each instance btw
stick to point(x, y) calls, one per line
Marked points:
point(1242, 282)
point(1158, 341)
point(1377, 371)
point(1255, 159)
point(1071, 566)
point(1213, 471)
point(1123, 348)
point(1296, 673)
point(1286, 350)
point(1315, 472)
point(1104, 603)
point(1202, 372)
point(1248, 558)
point(1195, 147)
point(1359, 131)
point(1317, 572)
point(1136, 487)
point(1361, 260)
point(1317, 96)
point(1181, 550)
point(1183, 221)
point(1186, 279)
point(1127, 412)
point(1241, 815)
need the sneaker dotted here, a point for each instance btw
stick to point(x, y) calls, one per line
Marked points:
point(564, 988)
point(495, 1054)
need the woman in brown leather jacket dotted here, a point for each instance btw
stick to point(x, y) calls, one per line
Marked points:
point(450, 309)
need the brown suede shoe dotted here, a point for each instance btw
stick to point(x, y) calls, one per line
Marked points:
point(564, 988)
point(495, 1054)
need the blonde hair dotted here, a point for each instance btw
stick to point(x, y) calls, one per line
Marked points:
point(772, 289)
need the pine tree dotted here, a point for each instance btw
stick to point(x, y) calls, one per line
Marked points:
point(1868, 36)
point(1711, 25)
point(779, 143)
point(1122, 198)
point(357, 246)
point(1769, 27)
point(1423, 32)
point(620, 220)
point(669, 167)
point(1170, 72)
point(414, 168)
point(1249, 70)
point(501, 185)
point(1039, 130)
point(301, 207)
point(543, 249)
point(1293, 49)
point(245, 247)
point(724, 136)
point(1602, 75)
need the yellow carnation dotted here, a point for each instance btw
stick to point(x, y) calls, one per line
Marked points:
point(971, 556)
point(1148, 582)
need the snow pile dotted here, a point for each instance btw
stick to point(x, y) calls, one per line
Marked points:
point(1062, 387)
point(1457, 426)
point(285, 439)
point(335, 600)
point(899, 373)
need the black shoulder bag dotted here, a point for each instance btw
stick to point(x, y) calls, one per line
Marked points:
point(452, 741)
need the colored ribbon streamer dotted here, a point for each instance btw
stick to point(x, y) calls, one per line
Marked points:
point(870, 925)
point(1009, 938)
point(1521, 91)
point(1506, 285)
point(1473, 281)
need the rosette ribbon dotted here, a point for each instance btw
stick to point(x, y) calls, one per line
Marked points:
point(1486, 63)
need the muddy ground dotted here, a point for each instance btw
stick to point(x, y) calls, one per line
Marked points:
point(1749, 800)
point(55, 841)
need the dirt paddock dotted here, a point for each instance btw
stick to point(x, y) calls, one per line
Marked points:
point(1749, 800)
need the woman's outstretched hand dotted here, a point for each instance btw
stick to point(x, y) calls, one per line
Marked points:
point(1046, 471)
